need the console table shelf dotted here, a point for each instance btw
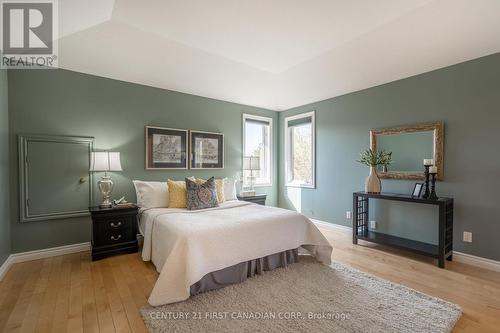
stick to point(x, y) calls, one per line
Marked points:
point(402, 243)
point(441, 251)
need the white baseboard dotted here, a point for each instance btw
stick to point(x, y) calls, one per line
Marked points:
point(5, 267)
point(461, 257)
point(332, 226)
point(41, 254)
point(50, 252)
point(486, 263)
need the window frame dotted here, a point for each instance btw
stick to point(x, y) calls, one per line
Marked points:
point(271, 135)
point(312, 115)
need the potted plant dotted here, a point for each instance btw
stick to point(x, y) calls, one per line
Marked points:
point(374, 159)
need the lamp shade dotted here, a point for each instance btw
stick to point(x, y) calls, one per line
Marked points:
point(105, 161)
point(251, 163)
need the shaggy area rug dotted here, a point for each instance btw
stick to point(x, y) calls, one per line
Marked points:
point(307, 297)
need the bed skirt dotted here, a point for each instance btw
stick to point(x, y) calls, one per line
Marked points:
point(240, 272)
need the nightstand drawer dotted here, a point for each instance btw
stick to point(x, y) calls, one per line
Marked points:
point(259, 199)
point(114, 230)
point(110, 237)
point(115, 223)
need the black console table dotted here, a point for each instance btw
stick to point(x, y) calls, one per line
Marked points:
point(441, 251)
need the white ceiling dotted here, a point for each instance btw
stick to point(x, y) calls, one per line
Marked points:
point(275, 54)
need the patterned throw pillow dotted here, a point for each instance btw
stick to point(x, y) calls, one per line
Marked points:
point(219, 187)
point(200, 196)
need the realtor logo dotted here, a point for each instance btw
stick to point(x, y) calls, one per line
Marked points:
point(29, 34)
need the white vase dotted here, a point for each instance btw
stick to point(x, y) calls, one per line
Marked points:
point(372, 182)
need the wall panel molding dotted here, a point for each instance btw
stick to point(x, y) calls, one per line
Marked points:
point(27, 146)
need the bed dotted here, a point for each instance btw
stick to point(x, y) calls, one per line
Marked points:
point(199, 250)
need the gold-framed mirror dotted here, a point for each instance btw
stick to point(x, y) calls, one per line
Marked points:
point(410, 145)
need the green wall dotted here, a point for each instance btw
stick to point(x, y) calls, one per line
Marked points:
point(467, 98)
point(61, 102)
point(4, 170)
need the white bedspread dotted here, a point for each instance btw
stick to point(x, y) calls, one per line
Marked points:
point(186, 245)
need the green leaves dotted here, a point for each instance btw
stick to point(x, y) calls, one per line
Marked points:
point(370, 158)
point(385, 158)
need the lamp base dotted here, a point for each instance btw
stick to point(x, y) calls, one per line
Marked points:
point(249, 193)
point(106, 187)
point(106, 204)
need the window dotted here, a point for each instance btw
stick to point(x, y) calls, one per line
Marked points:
point(300, 150)
point(257, 142)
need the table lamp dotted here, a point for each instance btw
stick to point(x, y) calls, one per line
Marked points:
point(105, 161)
point(250, 163)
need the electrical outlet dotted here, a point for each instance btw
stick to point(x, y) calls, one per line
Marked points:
point(467, 237)
point(348, 215)
point(373, 224)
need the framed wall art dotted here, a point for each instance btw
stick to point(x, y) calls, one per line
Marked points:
point(166, 148)
point(417, 190)
point(206, 150)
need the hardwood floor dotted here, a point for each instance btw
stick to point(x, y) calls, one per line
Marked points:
point(72, 294)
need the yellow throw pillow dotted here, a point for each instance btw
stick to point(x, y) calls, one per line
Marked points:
point(219, 187)
point(177, 193)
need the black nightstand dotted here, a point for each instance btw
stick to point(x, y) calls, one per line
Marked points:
point(114, 231)
point(258, 199)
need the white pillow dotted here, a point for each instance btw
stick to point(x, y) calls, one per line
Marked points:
point(151, 194)
point(230, 189)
